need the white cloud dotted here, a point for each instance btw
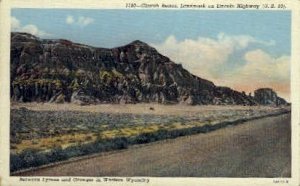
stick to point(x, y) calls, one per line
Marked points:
point(207, 57)
point(266, 66)
point(80, 21)
point(69, 19)
point(263, 70)
point(84, 21)
point(15, 23)
point(34, 30)
point(260, 70)
point(30, 28)
point(203, 55)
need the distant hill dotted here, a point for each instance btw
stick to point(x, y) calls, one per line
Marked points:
point(59, 71)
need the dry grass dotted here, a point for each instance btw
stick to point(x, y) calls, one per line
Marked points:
point(194, 116)
point(51, 142)
point(67, 140)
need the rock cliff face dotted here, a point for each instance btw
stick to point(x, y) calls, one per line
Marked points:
point(62, 71)
point(266, 96)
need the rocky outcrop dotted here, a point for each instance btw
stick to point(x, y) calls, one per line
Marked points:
point(267, 96)
point(62, 71)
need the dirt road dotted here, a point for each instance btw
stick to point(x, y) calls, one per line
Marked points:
point(259, 148)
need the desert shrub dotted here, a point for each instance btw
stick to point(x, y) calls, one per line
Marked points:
point(16, 162)
point(88, 149)
point(33, 158)
point(13, 147)
point(142, 138)
point(15, 140)
point(72, 141)
point(120, 143)
point(56, 154)
point(34, 142)
point(40, 159)
point(28, 158)
point(88, 138)
point(73, 151)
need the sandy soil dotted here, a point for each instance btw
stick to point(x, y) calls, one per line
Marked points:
point(258, 148)
point(158, 109)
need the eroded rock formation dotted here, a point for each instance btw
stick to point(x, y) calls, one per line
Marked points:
point(267, 96)
point(62, 71)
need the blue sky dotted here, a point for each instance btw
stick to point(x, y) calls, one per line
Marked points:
point(116, 27)
point(228, 40)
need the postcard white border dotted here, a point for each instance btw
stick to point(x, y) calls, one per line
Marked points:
point(5, 8)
